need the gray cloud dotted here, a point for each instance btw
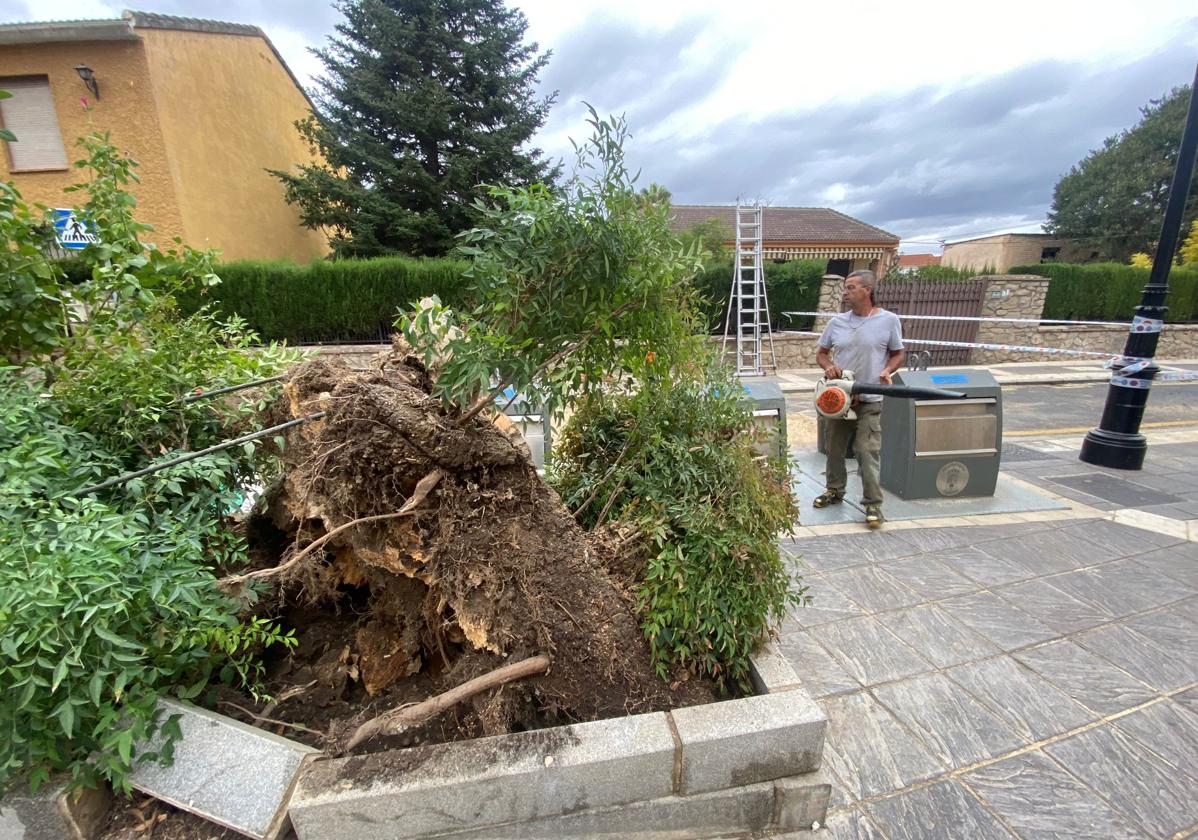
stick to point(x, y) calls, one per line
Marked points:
point(916, 161)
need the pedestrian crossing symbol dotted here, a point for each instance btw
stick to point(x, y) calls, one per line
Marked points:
point(71, 231)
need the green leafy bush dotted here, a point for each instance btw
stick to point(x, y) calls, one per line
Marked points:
point(106, 603)
point(676, 458)
point(109, 600)
point(1110, 291)
point(792, 286)
point(343, 300)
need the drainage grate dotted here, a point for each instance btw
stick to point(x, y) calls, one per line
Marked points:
point(1013, 452)
point(1115, 489)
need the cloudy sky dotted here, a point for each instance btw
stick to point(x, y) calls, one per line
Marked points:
point(929, 119)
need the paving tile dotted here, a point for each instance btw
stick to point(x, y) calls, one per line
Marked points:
point(1032, 706)
point(1140, 784)
point(932, 579)
point(837, 551)
point(998, 620)
point(1172, 629)
point(1187, 609)
point(869, 750)
point(944, 810)
point(1092, 681)
point(868, 651)
point(1136, 587)
point(1179, 563)
point(1169, 729)
point(1049, 552)
point(874, 589)
point(820, 672)
point(1038, 800)
point(938, 639)
point(955, 727)
point(985, 568)
point(827, 604)
point(1053, 607)
point(848, 824)
point(1124, 540)
point(1135, 653)
point(927, 540)
point(1115, 489)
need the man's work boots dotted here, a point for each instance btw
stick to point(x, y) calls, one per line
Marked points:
point(828, 497)
point(873, 516)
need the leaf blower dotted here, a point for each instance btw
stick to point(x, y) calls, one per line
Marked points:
point(834, 397)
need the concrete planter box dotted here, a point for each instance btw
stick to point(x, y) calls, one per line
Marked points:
point(706, 771)
point(740, 766)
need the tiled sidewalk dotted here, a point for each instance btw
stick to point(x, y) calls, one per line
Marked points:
point(994, 681)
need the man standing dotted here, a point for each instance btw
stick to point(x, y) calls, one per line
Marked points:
point(868, 341)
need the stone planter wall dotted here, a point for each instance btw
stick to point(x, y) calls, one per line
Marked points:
point(736, 767)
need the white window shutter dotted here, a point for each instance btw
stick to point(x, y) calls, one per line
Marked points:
point(30, 115)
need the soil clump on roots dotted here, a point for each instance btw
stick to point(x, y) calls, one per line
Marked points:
point(418, 553)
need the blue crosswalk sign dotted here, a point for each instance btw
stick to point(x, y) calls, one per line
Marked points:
point(71, 231)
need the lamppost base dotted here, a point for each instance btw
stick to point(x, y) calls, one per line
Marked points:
point(1117, 450)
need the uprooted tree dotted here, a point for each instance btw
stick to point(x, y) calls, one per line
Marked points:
point(409, 498)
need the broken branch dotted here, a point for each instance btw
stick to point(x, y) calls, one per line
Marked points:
point(395, 721)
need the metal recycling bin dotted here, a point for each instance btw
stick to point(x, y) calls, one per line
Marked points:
point(943, 448)
point(768, 404)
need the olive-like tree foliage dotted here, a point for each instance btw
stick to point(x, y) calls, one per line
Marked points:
point(584, 301)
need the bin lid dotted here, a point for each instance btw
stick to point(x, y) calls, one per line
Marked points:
point(954, 379)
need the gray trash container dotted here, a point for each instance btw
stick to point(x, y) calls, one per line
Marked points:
point(943, 448)
point(768, 403)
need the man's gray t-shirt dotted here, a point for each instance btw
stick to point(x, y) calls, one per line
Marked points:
point(862, 344)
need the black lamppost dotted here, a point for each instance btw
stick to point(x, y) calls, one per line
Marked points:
point(1117, 441)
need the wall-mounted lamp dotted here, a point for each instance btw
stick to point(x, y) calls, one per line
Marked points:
point(89, 79)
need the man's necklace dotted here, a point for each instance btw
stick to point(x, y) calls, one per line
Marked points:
point(861, 319)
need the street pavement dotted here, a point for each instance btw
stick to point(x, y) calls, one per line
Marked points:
point(1020, 675)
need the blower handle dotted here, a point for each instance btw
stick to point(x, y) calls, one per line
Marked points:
point(907, 391)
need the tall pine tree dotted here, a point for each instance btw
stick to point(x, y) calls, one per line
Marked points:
point(420, 102)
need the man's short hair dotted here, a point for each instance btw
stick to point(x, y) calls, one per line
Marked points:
point(868, 279)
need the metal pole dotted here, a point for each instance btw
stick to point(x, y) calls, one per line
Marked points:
point(1117, 441)
point(191, 456)
point(201, 394)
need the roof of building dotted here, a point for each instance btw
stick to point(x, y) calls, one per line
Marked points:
point(125, 29)
point(787, 224)
point(917, 260)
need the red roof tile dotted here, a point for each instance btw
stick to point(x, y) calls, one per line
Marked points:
point(787, 224)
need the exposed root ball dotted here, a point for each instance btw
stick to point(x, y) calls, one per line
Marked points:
point(490, 567)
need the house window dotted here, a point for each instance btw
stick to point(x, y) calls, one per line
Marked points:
point(29, 114)
point(1049, 254)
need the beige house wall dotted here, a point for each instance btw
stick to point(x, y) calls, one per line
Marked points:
point(227, 108)
point(125, 109)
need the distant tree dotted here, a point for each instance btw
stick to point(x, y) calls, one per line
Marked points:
point(1188, 253)
point(1140, 260)
point(420, 102)
point(1114, 199)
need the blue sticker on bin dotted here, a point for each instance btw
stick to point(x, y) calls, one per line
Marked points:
point(949, 379)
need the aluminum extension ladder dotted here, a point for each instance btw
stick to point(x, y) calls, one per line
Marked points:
point(748, 316)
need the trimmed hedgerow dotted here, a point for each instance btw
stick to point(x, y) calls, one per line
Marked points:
point(342, 300)
point(1110, 291)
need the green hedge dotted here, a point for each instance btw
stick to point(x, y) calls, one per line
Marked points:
point(1110, 291)
point(357, 300)
point(791, 286)
point(338, 301)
